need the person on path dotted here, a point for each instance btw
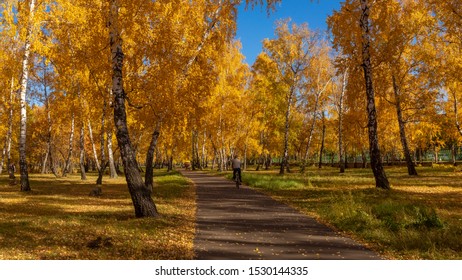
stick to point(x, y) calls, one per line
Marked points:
point(236, 164)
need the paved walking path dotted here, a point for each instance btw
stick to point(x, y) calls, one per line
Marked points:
point(245, 224)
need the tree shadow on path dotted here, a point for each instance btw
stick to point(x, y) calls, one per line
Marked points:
point(245, 224)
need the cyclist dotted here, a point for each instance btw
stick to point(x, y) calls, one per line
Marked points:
point(236, 164)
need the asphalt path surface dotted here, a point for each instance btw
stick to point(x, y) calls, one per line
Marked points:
point(244, 224)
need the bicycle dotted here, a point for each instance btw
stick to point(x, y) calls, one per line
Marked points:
point(237, 178)
point(238, 181)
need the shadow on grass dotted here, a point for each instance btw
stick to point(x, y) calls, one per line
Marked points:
point(437, 192)
point(57, 220)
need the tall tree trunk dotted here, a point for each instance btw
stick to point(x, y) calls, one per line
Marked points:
point(103, 165)
point(10, 131)
point(421, 156)
point(340, 123)
point(308, 145)
point(141, 195)
point(83, 175)
point(318, 94)
point(223, 159)
point(402, 131)
point(110, 151)
point(95, 154)
point(47, 108)
point(453, 154)
point(196, 162)
point(110, 154)
point(345, 165)
point(222, 165)
point(214, 159)
point(381, 180)
point(47, 112)
point(71, 146)
point(285, 153)
point(52, 163)
point(149, 175)
point(49, 138)
point(193, 153)
point(170, 162)
point(245, 156)
point(267, 161)
point(323, 138)
point(456, 113)
point(364, 158)
point(25, 186)
point(196, 149)
point(44, 161)
point(50, 148)
point(118, 163)
point(204, 150)
point(215, 153)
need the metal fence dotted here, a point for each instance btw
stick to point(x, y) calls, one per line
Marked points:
point(444, 155)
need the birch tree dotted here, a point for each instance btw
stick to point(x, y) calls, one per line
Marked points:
point(140, 194)
point(25, 186)
point(338, 95)
point(317, 86)
point(351, 27)
point(381, 180)
point(285, 59)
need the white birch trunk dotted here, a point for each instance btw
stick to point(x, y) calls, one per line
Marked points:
point(141, 196)
point(83, 175)
point(381, 179)
point(456, 113)
point(95, 154)
point(25, 186)
point(323, 138)
point(340, 123)
point(71, 146)
point(50, 140)
point(402, 130)
point(104, 163)
point(318, 95)
point(204, 151)
point(285, 153)
point(110, 152)
point(47, 111)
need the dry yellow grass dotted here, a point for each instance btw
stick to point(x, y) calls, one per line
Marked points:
point(420, 218)
point(58, 220)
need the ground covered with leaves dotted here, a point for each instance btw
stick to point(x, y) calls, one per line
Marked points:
point(59, 220)
point(419, 218)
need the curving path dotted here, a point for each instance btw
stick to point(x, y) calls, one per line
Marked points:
point(245, 224)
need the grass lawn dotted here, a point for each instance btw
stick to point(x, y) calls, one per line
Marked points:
point(59, 220)
point(420, 218)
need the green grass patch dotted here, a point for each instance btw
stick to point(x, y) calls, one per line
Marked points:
point(58, 220)
point(269, 181)
point(420, 218)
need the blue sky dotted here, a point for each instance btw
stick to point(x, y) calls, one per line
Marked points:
point(254, 25)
